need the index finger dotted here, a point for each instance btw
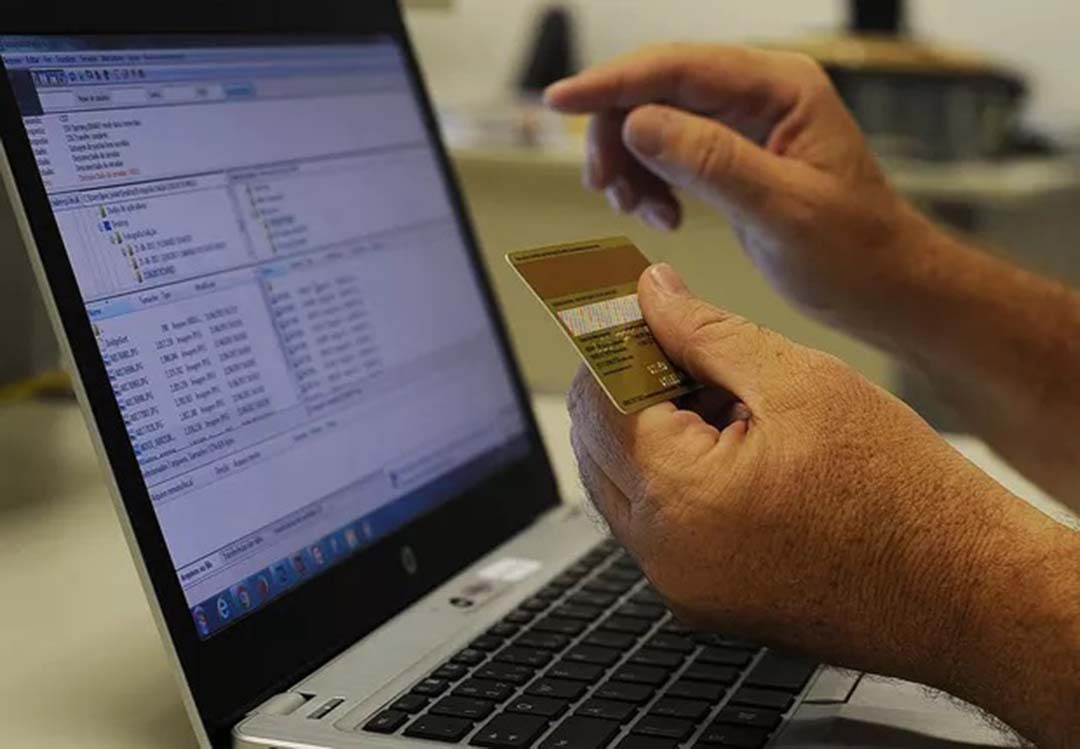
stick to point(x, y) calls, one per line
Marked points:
point(697, 77)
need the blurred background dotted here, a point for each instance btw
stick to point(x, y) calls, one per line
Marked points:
point(971, 103)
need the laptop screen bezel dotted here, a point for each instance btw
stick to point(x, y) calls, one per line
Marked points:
point(240, 666)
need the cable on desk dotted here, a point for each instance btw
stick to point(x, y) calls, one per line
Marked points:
point(55, 383)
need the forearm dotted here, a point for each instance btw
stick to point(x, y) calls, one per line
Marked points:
point(1001, 345)
point(1019, 654)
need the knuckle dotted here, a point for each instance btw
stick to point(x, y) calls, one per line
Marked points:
point(809, 68)
point(714, 155)
point(710, 332)
point(831, 368)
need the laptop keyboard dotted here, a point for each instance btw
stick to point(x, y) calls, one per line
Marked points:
point(594, 660)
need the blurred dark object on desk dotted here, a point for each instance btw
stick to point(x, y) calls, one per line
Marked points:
point(552, 55)
point(915, 99)
point(521, 120)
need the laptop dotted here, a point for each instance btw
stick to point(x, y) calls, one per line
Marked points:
point(321, 451)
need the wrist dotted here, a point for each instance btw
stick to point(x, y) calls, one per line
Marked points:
point(909, 266)
point(883, 290)
point(1016, 641)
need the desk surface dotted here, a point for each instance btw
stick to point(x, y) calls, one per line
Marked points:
point(81, 664)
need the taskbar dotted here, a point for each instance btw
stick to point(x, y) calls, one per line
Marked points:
point(231, 604)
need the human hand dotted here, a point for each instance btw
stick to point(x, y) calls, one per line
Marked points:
point(796, 503)
point(763, 137)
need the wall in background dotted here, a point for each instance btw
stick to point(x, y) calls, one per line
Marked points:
point(472, 51)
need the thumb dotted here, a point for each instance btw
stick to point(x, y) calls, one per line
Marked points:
point(716, 347)
point(701, 155)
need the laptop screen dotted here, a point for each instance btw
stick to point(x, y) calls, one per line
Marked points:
point(287, 311)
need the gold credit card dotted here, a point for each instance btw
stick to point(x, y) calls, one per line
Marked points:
point(590, 288)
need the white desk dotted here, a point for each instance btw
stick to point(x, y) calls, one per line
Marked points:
point(81, 664)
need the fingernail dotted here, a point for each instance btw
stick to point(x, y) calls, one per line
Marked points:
point(659, 216)
point(667, 280)
point(592, 173)
point(552, 91)
point(644, 132)
point(621, 196)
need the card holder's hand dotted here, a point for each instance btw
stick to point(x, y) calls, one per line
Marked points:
point(764, 138)
point(797, 503)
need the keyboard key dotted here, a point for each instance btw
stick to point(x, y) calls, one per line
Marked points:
point(719, 734)
point(715, 674)
point(674, 643)
point(450, 671)
point(486, 643)
point(439, 728)
point(565, 580)
point(550, 592)
point(387, 721)
point(511, 672)
point(594, 655)
point(430, 687)
point(625, 563)
point(586, 598)
point(469, 657)
point(544, 707)
point(614, 587)
point(616, 640)
point(660, 658)
point(646, 742)
point(723, 641)
point(748, 716)
point(606, 709)
point(697, 690)
point(503, 629)
point(531, 657)
point(723, 657)
point(576, 671)
point(641, 675)
point(783, 672)
point(626, 624)
point(560, 626)
point(543, 641)
point(509, 730)
point(534, 605)
point(578, 732)
point(485, 689)
point(621, 574)
point(463, 707)
point(577, 611)
point(675, 627)
point(579, 569)
point(671, 707)
point(623, 691)
point(561, 689)
point(519, 616)
point(593, 558)
point(647, 595)
point(410, 703)
point(648, 611)
point(667, 728)
point(765, 698)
